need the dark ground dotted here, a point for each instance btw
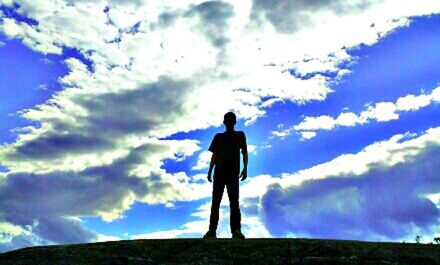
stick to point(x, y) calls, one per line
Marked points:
point(227, 251)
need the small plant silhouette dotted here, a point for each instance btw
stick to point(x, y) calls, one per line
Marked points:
point(418, 239)
point(437, 240)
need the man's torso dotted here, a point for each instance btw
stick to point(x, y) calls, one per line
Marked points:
point(226, 147)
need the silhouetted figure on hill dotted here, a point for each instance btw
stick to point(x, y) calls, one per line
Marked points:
point(225, 148)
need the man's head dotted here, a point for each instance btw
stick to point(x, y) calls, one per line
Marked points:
point(229, 120)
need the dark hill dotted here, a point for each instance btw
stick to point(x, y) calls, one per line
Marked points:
point(227, 251)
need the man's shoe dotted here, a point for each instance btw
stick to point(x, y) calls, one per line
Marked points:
point(237, 234)
point(210, 234)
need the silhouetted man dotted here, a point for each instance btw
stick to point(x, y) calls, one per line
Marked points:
point(225, 148)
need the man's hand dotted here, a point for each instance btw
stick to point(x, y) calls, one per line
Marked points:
point(243, 174)
point(209, 176)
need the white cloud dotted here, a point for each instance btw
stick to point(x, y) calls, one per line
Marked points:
point(160, 46)
point(155, 50)
point(380, 112)
point(307, 135)
point(9, 231)
point(43, 87)
point(397, 149)
point(434, 197)
point(252, 148)
point(31, 36)
point(105, 238)
point(281, 134)
point(411, 102)
point(346, 119)
point(311, 123)
point(165, 234)
point(114, 188)
point(378, 193)
point(199, 177)
point(203, 161)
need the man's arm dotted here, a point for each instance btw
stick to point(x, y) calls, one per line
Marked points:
point(211, 165)
point(245, 163)
point(213, 148)
point(243, 174)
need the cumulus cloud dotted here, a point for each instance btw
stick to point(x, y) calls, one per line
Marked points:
point(58, 229)
point(137, 81)
point(106, 191)
point(47, 230)
point(156, 68)
point(203, 161)
point(113, 187)
point(349, 197)
point(307, 135)
point(290, 16)
point(113, 122)
point(380, 112)
point(9, 231)
point(214, 16)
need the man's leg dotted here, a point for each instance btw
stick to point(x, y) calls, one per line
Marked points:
point(232, 188)
point(217, 193)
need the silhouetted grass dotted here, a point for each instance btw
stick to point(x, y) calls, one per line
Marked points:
point(228, 251)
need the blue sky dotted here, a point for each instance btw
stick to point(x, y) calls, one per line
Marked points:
point(106, 122)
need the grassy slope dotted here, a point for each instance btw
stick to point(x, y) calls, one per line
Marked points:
point(227, 251)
